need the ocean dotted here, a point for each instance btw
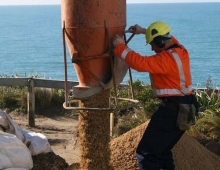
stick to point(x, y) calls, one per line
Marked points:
point(31, 39)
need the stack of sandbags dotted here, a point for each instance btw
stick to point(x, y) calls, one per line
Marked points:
point(13, 152)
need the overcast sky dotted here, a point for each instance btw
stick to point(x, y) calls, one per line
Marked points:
point(38, 2)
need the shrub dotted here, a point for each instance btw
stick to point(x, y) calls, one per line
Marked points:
point(9, 96)
point(58, 96)
point(133, 116)
point(208, 123)
point(43, 97)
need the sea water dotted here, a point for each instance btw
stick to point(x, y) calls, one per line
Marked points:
point(31, 39)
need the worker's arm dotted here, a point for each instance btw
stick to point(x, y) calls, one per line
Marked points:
point(157, 64)
point(137, 29)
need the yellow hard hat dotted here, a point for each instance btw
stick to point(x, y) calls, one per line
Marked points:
point(155, 29)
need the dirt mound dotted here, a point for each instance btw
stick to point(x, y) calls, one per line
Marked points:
point(49, 161)
point(188, 154)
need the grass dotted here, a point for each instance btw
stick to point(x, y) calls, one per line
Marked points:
point(49, 102)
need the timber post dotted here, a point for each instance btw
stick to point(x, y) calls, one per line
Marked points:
point(31, 103)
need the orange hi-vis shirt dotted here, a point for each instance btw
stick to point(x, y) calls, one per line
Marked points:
point(169, 70)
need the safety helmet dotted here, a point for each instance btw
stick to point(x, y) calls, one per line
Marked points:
point(157, 28)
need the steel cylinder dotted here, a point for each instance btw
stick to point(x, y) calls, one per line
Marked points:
point(89, 27)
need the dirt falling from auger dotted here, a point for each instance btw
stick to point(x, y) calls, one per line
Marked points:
point(94, 130)
point(88, 27)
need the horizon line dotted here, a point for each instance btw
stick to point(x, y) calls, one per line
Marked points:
point(126, 3)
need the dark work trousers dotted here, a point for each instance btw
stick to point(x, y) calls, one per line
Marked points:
point(154, 150)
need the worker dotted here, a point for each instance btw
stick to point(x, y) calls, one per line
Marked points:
point(169, 71)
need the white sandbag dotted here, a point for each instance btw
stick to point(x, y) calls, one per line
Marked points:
point(13, 153)
point(13, 128)
point(3, 121)
point(37, 142)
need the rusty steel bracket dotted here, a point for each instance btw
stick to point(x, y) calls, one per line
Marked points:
point(77, 60)
point(111, 62)
point(92, 75)
point(130, 75)
point(65, 63)
point(134, 102)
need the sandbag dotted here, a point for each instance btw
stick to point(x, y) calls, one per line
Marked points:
point(37, 142)
point(13, 153)
point(10, 127)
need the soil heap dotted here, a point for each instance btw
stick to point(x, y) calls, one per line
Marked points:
point(188, 154)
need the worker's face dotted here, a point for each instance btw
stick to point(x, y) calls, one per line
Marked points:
point(155, 48)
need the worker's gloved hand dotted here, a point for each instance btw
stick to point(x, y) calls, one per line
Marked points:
point(118, 40)
point(136, 29)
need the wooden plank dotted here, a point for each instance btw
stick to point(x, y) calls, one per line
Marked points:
point(14, 81)
point(53, 83)
point(37, 83)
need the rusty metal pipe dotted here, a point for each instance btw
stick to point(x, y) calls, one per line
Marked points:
point(65, 63)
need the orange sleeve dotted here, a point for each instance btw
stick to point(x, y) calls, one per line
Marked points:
point(119, 49)
point(175, 40)
point(157, 64)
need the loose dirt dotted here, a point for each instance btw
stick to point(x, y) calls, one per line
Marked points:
point(62, 135)
point(188, 153)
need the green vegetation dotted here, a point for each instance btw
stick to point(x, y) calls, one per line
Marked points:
point(9, 97)
point(51, 101)
point(208, 122)
point(131, 117)
point(48, 102)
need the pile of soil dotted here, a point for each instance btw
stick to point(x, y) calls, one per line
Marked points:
point(63, 135)
point(49, 161)
point(188, 154)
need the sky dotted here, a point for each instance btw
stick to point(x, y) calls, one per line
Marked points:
point(57, 2)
